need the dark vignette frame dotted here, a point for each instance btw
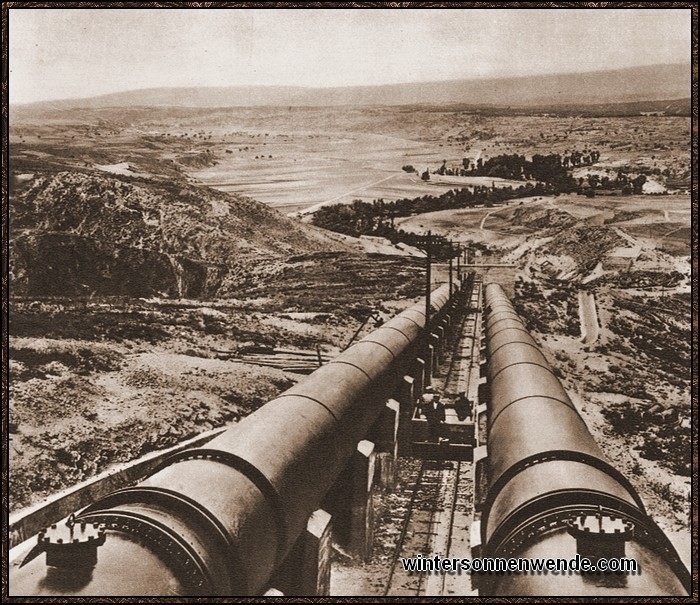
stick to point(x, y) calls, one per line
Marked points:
point(4, 156)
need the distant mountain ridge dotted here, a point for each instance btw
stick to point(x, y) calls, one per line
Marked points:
point(648, 83)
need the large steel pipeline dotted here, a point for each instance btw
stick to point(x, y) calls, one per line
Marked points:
point(218, 520)
point(552, 493)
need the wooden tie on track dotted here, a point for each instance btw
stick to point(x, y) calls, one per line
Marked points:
point(435, 523)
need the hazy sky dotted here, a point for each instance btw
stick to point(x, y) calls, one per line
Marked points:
point(63, 53)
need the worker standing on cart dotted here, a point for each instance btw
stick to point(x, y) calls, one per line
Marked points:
point(435, 414)
point(427, 398)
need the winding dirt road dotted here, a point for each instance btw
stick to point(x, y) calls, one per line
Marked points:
point(588, 316)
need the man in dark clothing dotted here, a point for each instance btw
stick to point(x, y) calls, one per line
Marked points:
point(464, 407)
point(435, 414)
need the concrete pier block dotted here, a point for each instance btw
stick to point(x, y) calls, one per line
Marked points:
point(484, 392)
point(306, 571)
point(385, 435)
point(442, 336)
point(429, 362)
point(361, 507)
point(273, 592)
point(481, 479)
point(351, 503)
point(483, 369)
point(476, 549)
point(418, 374)
point(434, 340)
point(475, 536)
point(406, 396)
point(481, 424)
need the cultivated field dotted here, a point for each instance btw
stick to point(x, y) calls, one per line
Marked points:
point(297, 158)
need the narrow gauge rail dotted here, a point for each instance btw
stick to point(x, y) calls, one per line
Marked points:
point(442, 490)
point(434, 498)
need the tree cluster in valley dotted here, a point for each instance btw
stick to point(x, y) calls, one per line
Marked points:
point(551, 175)
point(548, 168)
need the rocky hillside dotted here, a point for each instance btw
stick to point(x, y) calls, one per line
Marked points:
point(587, 245)
point(542, 218)
point(79, 233)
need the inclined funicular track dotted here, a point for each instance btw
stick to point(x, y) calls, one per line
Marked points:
point(437, 516)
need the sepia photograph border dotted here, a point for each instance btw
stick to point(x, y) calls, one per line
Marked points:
point(6, 317)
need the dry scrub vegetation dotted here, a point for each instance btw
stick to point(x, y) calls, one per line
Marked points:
point(104, 380)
